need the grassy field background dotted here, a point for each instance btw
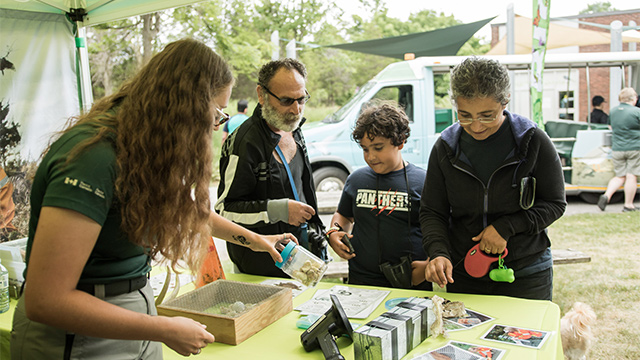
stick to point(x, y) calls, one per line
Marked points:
point(610, 283)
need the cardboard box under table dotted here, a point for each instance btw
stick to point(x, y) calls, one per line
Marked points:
point(212, 305)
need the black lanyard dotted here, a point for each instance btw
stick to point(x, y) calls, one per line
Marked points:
point(406, 179)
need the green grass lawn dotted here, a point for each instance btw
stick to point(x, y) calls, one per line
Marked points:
point(610, 283)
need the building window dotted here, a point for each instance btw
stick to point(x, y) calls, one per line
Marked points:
point(566, 105)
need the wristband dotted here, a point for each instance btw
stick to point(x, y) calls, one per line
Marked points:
point(332, 230)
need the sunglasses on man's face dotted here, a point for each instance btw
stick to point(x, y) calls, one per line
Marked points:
point(285, 101)
point(222, 118)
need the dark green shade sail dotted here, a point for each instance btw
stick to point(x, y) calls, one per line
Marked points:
point(440, 42)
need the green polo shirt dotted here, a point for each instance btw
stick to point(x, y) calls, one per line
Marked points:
point(625, 127)
point(86, 185)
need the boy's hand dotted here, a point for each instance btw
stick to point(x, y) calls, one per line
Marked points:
point(340, 248)
point(418, 270)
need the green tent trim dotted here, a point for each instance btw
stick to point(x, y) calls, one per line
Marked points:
point(440, 42)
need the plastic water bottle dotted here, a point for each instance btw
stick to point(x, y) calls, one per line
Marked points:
point(4, 289)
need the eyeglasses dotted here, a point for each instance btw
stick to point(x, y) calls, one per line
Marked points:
point(469, 121)
point(224, 117)
point(285, 101)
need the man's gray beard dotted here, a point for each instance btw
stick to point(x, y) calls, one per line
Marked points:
point(284, 122)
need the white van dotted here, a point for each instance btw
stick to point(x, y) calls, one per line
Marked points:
point(334, 155)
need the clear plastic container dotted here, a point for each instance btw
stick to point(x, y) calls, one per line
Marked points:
point(301, 264)
point(4, 289)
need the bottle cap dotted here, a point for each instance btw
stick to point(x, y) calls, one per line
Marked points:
point(285, 254)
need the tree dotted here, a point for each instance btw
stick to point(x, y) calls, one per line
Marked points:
point(118, 49)
point(598, 7)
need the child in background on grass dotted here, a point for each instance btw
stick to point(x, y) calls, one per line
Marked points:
point(380, 206)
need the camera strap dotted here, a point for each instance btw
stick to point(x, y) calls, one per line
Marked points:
point(305, 236)
point(398, 275)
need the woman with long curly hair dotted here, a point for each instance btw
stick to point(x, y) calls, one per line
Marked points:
point(127, 181)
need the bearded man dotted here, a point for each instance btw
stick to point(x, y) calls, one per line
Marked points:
point(266, 181)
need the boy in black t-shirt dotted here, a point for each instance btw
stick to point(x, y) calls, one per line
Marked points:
point(379, 206)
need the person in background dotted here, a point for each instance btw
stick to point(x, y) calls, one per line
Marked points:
point(494, 180)
point(236, 120)
point(101, 212)
point(625, 150)
point(598, 116)
point(380, 205)
point(266, 181)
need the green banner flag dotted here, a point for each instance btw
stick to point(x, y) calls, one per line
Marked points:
point(539, 50)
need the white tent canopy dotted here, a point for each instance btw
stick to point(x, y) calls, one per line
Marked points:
point(98, 11)
point(559, 36)
point(48, 80)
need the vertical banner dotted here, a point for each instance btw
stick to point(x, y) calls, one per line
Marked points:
point(539, 50)
point(38, 87)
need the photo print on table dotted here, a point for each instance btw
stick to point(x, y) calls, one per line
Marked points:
point(448, 352)
point(517, 336)
point(485, 352)
point(463, 323)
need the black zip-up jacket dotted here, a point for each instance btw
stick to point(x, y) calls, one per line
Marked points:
point(456, 205)
point(250, 177)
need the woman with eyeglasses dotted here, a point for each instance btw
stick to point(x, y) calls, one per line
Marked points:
point(126, 183)
point(494, 184)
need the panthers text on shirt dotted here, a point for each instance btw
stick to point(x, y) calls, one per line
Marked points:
point(389, 200)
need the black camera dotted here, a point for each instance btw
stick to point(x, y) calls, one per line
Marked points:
point(399, 275)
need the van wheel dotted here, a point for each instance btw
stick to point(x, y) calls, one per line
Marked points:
point(329, 179)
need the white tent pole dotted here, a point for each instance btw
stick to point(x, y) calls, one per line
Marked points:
point(588, 95)
point(511, 49)
point(86, 92)
point(615, 83)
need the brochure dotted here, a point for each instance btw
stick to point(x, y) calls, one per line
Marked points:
point(356, 303)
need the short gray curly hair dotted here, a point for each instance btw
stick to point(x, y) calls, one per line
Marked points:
point(480, 78)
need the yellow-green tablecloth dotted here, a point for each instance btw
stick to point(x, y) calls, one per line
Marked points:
point(281, 340)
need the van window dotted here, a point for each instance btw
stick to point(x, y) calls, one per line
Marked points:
point(402, 94)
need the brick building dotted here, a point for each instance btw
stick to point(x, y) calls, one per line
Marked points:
point(599, 78)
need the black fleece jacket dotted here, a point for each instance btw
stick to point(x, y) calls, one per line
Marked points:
point(457, 206)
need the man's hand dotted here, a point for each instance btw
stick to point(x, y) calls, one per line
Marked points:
point(299, 213)
point(439, 271)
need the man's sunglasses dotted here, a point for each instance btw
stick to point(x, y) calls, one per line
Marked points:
point(285, 101)
point(224, 117)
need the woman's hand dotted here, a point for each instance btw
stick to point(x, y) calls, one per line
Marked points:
point(439, 271)
point(340, 248)
point(273, 244)
point(490, 241)
point(185, 336)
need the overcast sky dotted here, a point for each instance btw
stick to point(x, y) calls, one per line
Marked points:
point(473, 10)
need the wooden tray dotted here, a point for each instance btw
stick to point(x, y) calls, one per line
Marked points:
point(271, 303)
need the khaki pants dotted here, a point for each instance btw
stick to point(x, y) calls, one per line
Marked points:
point(33, 341)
